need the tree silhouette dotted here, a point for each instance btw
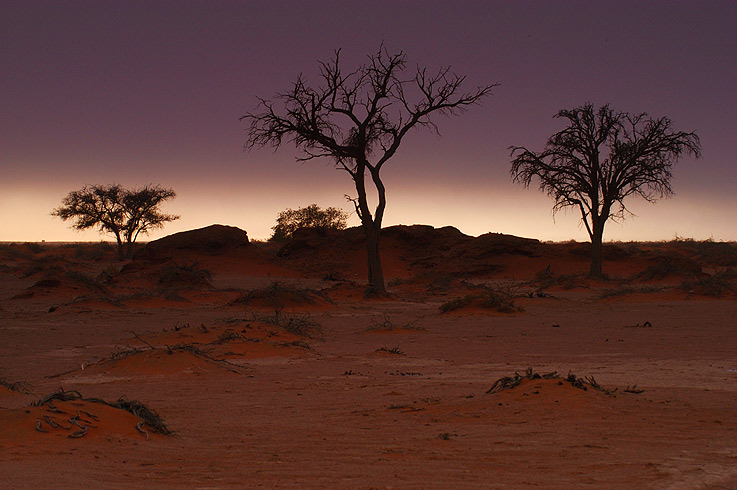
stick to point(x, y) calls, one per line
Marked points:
point(290, 220)
point(121, 212)
point(599, 160)
point(359, 120)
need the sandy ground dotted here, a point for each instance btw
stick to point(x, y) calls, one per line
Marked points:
point(376, 393)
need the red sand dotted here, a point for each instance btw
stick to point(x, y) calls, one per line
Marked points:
point(253, 405)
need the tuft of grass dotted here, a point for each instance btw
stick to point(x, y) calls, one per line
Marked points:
point(456, 303)
point(277, 294)
point(92, 251)
point(85, 279)
point(42, 265)
point(387, 324)
point(174, 275)
point(710, 251)
point(17, 386)
point(547, 278)
point(670, 265)
point(302, 325)
point(717, 285)
point(499, 298)
point(394, 350)
point(628, 289)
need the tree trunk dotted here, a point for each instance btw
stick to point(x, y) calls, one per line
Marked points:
point(129, 249)
point(121, 253)
point(597, 249)
point(375, 272)
point(371, 226)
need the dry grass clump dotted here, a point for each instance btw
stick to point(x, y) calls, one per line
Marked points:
point(432, 282)
point(499, 298)
point(547, 278)
point(393, 350)
point(92, 251)
point(387, 324)
point(278, 295)
point(17, 386)
point(177, 276)
point(627, 289)
point(303, 325)
point(669, 265)
point(710, 251)
point(718, 284)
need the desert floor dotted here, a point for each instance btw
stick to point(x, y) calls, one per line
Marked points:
point(274, 371)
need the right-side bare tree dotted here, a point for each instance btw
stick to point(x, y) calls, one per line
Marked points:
point(121, 212)
point(359, 120)
point(599, 160)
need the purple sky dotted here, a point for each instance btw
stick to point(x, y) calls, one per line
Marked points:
point(136, 92)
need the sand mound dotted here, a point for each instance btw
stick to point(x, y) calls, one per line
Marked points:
point(63, 286)
point(66, 415)
point(550, 388)
point(279, 296)
point(193, 351)
point(213, 239)
point(405, 250)
point(160, 361)
point(9, 388)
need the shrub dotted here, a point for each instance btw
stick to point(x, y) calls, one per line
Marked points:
point(498, 298)
point(302, 325)
point(174, 275)
point(718, 284)
point(311, 216)
point(670, 265)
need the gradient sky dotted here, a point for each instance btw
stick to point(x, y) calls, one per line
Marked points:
point(136, 92)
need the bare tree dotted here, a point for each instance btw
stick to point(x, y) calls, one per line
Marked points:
point(121, 212)
point(599, 160)
point(359, 119)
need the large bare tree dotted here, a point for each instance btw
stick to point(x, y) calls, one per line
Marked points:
point(124, 213)
point(599, 160)
point(359, 120)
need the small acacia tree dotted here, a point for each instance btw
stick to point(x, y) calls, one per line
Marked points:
point(311, 216)
point(120, 212)
point(359, 120)
point(599, 160)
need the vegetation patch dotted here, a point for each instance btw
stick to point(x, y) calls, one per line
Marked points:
point(278, 295)
point(302, 325)
point(80, 423)
point(628, 289)
point(386, 324)
point(311, 216)
point(547, 278)
point(17, 386)
point(184, 276)
point(510, 382)
point(394, 350)
point(718, 284)
point(499, 298)
point(669, 265)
